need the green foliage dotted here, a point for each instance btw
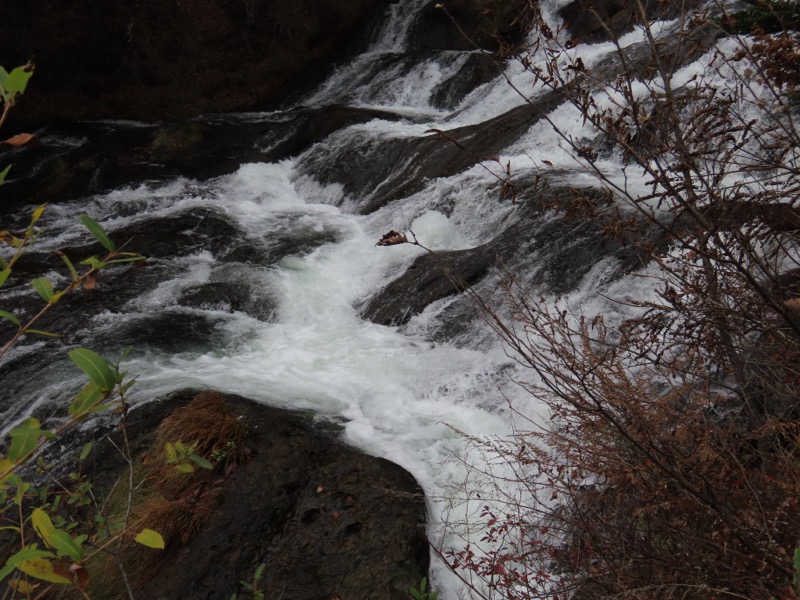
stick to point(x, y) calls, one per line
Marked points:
point(150, 538)
point(85, 359)
point(14, 83)
point(181, 456)
point(253, 586)
point(11, 85)
point(422, 592)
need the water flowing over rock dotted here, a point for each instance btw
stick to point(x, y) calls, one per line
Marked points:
point(262, 278)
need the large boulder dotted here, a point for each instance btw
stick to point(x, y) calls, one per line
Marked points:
point(325, 519)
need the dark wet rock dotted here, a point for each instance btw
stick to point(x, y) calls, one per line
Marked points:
point(229, 296)
point(323, 517)
point(378, 171)
point(308, 126)
point(485, 23)
point(153, 60)
point(169, 332)
point(479, 68)
point(77, 159)
point(599, 20)
point(564, 250)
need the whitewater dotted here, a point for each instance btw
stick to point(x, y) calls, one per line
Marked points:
point(397, 392)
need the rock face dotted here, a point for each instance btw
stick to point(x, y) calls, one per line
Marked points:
point(154, 60)
point(325, 519)
point(486, 24)
point(599, 20)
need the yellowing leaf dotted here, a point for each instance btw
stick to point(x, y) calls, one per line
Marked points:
point(150, 538)
point(43, 525)
point(22, 586)
point(37, 214)
point(43, 569)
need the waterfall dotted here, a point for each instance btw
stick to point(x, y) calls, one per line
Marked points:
point(305, 253)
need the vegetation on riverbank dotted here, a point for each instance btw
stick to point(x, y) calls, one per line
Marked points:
point(669, 466)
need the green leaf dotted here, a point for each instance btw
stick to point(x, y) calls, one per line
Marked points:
point(796, 564)
point(73, 271)
point(4, 275)
point(96, 367)
point(24, 438)
point(200, 461)
point(43, 525)
point(259, 572)
point(4, 173)
point(150, 538)
point(86, 400)
point(37, 214)
point(97, 231)
point(172, 456)
point(44, 287)
point(66, 545)
point(17, 80)
point(125, 260)
point(93, 262)
point(185, 468)
point(85, 451)
point(44, 333)
point(10, 317)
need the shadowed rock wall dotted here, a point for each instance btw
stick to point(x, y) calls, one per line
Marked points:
point(156, 60)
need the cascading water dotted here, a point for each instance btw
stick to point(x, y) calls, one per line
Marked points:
point(401, 392)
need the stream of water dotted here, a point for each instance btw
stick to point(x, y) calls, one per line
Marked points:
point(397, 393)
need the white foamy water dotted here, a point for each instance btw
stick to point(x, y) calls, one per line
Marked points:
point(398, 394)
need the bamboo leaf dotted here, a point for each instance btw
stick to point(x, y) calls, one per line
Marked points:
point(4, 173)
point(150, 538)
point(96, 367)
point(97, 231)
point(4, 275)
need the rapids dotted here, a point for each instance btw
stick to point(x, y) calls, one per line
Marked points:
point(403, 392)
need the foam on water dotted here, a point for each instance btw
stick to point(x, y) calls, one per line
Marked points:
point(398, 394)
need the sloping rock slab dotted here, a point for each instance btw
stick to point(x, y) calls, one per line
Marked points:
point(327, 520)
